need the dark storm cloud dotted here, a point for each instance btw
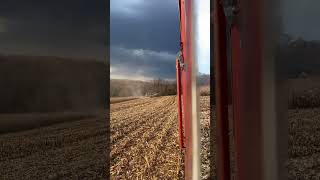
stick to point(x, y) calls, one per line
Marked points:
point(152, 24)
point(150, 28)
point(74, 28)
point(300, 18)
point(139, 63)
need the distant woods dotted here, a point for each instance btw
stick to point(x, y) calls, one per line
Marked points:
point(124, 88)
point(51, 84)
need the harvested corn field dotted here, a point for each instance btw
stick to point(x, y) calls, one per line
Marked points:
point(304, 144)
point(121, 99)
point(303, 160)
point(144, 139)
point(73, 149)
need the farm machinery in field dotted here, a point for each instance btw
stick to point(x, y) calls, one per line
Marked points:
point(242, 45)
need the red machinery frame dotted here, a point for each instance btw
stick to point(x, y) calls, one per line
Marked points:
point(186, 82)
point(221, 79)
point(179, 103)
point(240, 33)
point(246, 89)
point(186, 61)
point(250, 47)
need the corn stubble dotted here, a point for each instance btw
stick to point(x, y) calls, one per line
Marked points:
point(69, 150)
point(144, 145)
point(304, 144)
point(144, 139)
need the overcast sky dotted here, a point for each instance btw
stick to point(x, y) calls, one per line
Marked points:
point(301, 18)
point(69, 28)
point(145, 38)
point(144, 33)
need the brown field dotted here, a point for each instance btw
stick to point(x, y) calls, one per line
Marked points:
point(304, 93)
point(204, 90)
point(121, 99)
point(26, 121)
point(144, 143)
point(144, 139)
point(304, 144)
point(74, 149)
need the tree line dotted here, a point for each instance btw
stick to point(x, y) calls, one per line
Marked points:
point(124, 88)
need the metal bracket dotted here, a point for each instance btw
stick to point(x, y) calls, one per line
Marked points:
point(231, 10)
point(181, 60)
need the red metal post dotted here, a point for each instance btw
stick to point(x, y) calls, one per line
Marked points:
point(247, 104)
point(178, 69)
point(188, 33)
point(236, 69)
point(185, 26)
point(187, 88)
point(221, 80)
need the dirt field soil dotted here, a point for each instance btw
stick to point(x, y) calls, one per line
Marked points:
point(68, 150)
point(144, 139)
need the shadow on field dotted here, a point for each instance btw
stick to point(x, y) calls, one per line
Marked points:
point(39, 91)
point(19, 122)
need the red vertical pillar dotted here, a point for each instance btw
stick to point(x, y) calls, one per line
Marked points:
point(188, 23)
point(185, 25)
point(178, 69)
point(221, 80)
point(247, 82)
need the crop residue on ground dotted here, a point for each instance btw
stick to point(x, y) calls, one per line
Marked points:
point(144, 139)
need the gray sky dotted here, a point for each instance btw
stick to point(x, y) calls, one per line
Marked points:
point(301, 18)
point(145, 38)
point(144, 34)
point(70, 28)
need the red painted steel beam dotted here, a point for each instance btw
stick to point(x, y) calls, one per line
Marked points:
point(187, 91)
point(190, 49)
point(236, 69)
point(181, 135)
point(186, 85)
point(221, 81)
point(247, 105)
